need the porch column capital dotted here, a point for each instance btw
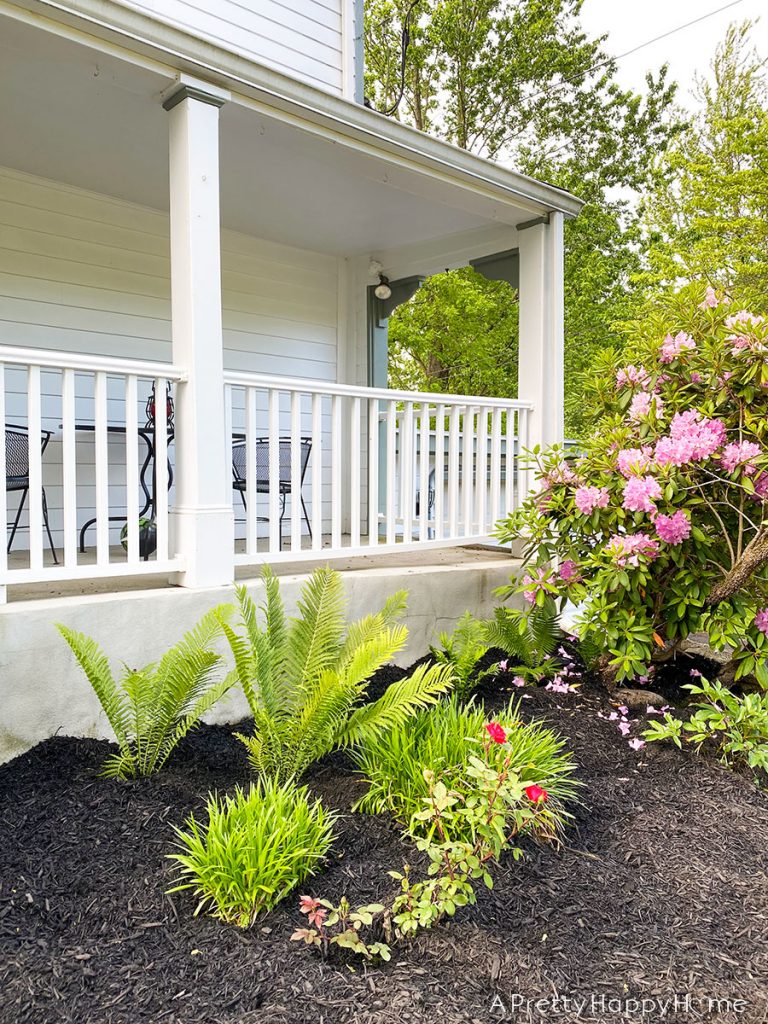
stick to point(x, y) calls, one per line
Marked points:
point(188, 88)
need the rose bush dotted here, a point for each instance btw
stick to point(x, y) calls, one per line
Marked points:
point(658, 526)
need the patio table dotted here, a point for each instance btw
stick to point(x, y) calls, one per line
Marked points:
point(147, 434)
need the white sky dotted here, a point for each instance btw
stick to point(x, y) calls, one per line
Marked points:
point(631, 22)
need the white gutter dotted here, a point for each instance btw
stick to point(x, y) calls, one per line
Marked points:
point(151, 37)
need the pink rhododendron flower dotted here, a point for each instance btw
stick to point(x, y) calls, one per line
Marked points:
point(631, 461)
point(589, 498)
point(632, 375)
point(696, 377)
point(496, 732)
point(534, 583)
point(518, 681)
point(568, 570)
point(559, 685)
point(628, 549)
point(761, 486)
point(761, 621)
point(625, 728)
point(710, 299)
point(639, 494)
point(559, 474)
point(640, 406)
point(637, 744)
point(673, 529)
point(743, 317)
point(672, 347)
point(737, 453)
point(692, 437)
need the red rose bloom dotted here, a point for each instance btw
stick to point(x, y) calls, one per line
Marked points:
point(496, 732)
point(536, 794)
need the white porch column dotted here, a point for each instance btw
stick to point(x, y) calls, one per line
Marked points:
point(202, 521)
point(540, 371)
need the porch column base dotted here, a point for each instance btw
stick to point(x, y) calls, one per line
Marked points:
point(206, 536)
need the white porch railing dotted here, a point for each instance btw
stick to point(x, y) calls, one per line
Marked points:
point(92, 410)
point(358, 469)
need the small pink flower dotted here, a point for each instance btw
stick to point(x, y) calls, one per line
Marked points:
point(624, 710)
point(737, 453)
point(632, 375)
point(637, 744)
point(696, 377)
point(641, 404)
point(640, 493)
point(624, 728)
point(518, 681)
point(673, 529)
point(628, 549)
point(651, 710)
point(761, 621)
point(534, 583)
point(633, 461)
point(672, 347)
point(710, 299)
point(568, 570)
point(587, 499)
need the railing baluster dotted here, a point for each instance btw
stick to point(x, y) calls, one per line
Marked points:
point(275, 538)
point(494, 513)
point(251, 474)
point(467, 468)
point(317, 472)
point(391, 508)
point(481, 471)
point(69, 467)
point(454, 425)
point(161, 469)
point(295, 471)
point(439, 470)
point(373, 471)
point(101, 456)
point(510, 464)
point(407, 472)
point(3, 491)
point(35, 496)
point(131, 466)
point(355, 497)
point(336, 510)
point(424, 435)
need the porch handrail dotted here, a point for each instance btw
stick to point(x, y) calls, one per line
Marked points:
point(59, 360)
point(303, 386)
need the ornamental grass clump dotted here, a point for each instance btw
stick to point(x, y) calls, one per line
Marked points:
point(306, 678)
point(255, 847)
point(152, 708)
point(440, 743)
point(658, 527)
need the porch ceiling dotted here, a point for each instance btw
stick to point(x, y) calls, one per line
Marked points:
point(78, 115)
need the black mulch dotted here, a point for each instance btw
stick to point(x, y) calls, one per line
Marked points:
point(661, 891)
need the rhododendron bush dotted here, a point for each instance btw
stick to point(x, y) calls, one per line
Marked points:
point(658, 526)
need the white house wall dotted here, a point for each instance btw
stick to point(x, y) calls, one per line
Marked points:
point(84, 273)
point(302, 38)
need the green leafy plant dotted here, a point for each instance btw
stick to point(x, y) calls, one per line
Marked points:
point(527, 637)
point(461, 651)
point(344, 927)
point(154, 707)
point(442, 741)
point(736, 726)
point(306, 678)
point(255, 848)
point(463, 832)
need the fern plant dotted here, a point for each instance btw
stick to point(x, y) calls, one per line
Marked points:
point(152, 708)
point(461, 651)
point(527, 637)
point(306, 678)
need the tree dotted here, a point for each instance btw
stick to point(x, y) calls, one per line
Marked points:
point(523, 82)
point(708, 215)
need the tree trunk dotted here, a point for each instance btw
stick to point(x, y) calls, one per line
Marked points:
point(755, 556)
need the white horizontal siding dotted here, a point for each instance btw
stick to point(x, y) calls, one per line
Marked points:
point(302, 38)
point(84, 273)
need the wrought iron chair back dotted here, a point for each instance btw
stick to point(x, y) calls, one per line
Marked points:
point(17, 475)
point(240, 471)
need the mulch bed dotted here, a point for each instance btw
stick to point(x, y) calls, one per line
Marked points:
point(661, 892)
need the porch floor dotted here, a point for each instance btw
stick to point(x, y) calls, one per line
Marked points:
point(410, 558)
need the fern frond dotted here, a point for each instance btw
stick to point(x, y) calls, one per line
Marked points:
point(508, 631)
point(95, 664)
point(401, 700)
point(315, 636)
point(361, 631)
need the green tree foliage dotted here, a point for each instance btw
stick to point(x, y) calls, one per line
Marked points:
point(523, 83)
point(708, 215)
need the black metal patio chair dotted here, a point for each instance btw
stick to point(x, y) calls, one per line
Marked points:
point(239, 473)
point(17, 475)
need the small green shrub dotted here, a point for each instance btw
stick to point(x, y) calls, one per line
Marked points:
point(306, 678)
point(256, 847)
point(736, 726)
point(461, 651)
point(152, 708)
point(528, 638)
point(442, 741)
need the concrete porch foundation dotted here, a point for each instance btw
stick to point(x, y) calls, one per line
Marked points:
point(45, 693)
